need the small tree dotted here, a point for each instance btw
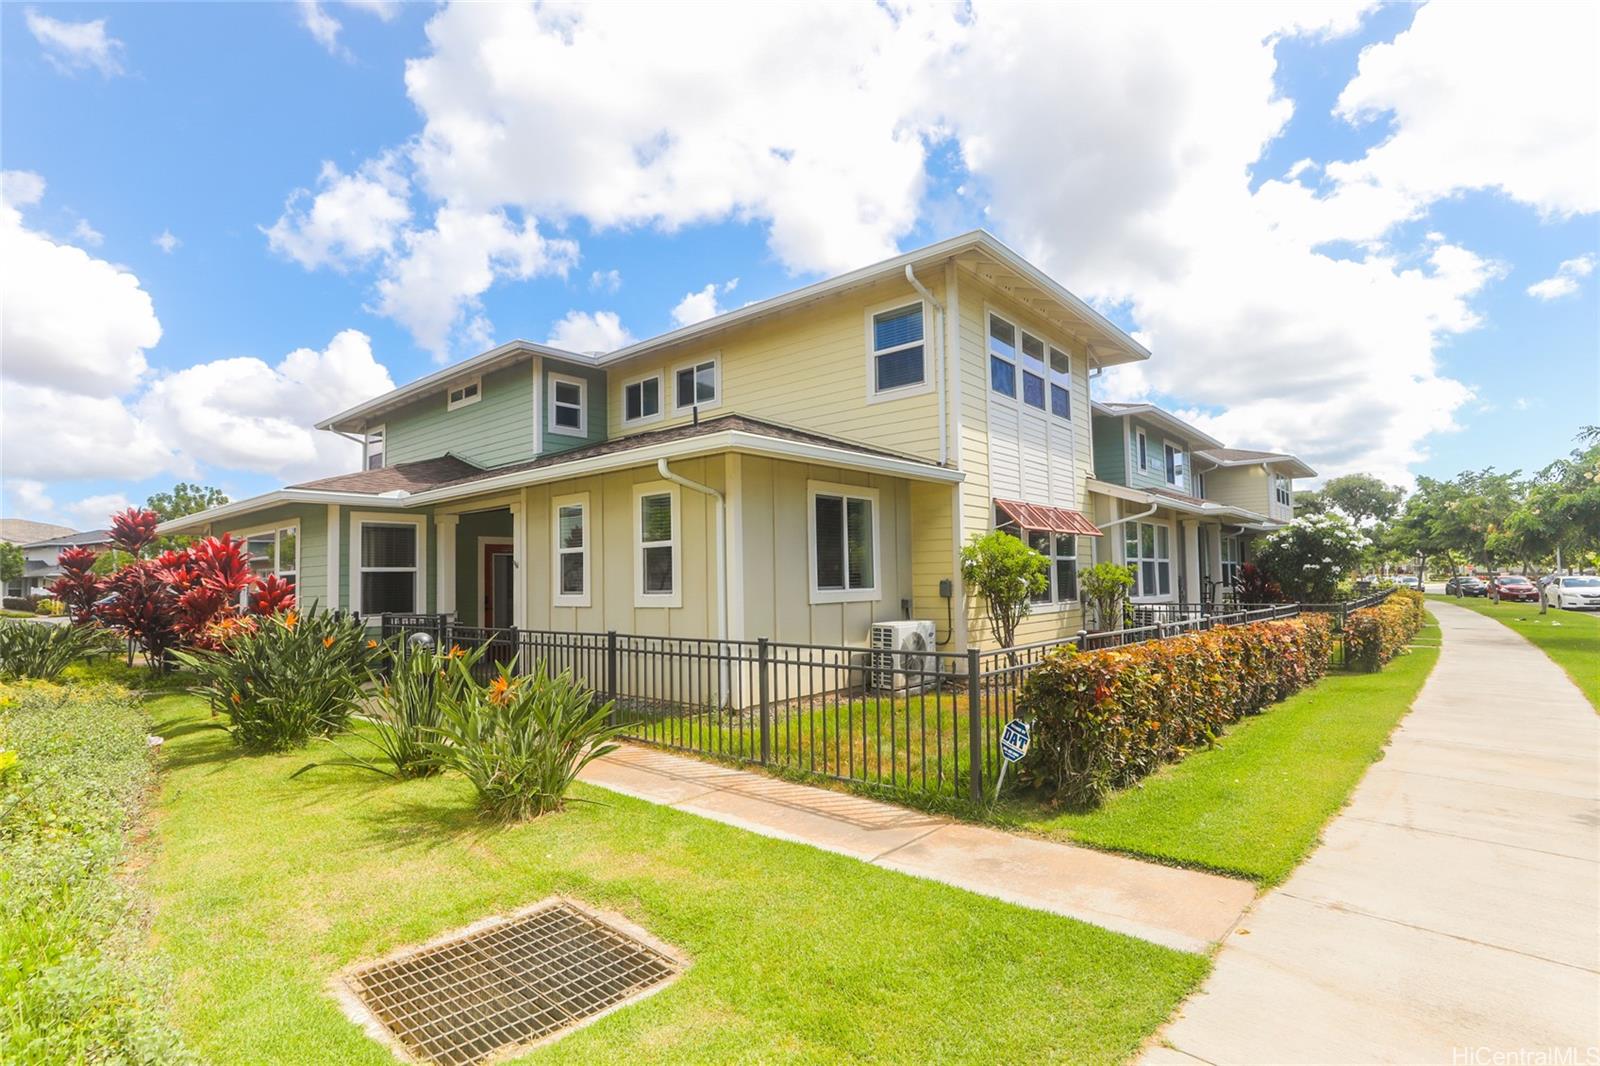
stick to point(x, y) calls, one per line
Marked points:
point(11, 562)
point(77, 587)
point(1311, 555)
point(1007, 574)
point(1105, 586)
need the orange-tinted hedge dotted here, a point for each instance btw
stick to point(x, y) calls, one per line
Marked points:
point(1104, 719)
point(1374, 635)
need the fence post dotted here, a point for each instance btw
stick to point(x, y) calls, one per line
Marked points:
point(975, 724)
point(1080, 640)
point(611, 666)
point(763, 660)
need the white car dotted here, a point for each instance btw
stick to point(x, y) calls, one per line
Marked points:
point(1573, 591)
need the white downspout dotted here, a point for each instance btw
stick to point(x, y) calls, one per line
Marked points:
point(722, 561)
point(1154, 507)
point(938, 341)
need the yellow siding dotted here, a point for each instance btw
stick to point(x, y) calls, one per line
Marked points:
point(807, 368)
point(933, 512)
point(1240, 486)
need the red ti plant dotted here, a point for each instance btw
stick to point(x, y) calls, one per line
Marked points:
point(77, 587)
point(271, 595)
point(1252, 585)
point(134, 530)
point(207, 578)
point(142, 605)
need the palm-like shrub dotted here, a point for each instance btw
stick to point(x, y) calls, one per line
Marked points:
point(521, 740)
point(286, 679)
point(42, 651)
point(404, 709)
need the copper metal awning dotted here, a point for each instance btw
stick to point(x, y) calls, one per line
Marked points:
point(1051, 519)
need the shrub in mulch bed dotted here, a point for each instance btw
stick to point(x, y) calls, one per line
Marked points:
point(1374, 635)
point(1104, 719)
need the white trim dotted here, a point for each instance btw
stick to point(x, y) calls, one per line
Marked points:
point(556, 427)
point(360, 519)
point(1172, 576)
point(484, 542)
point(733, 524)
point(445, 593)
point(538, 407)
point(1151, 413)
point(641, 598)
point(275, 528)
point(661, 401)
point(870, 594)
point(916, 388)
point(715, 359)
point(557, 597)
point(952, 359)
point(519, 560)
point(333, 558)
point(462, 385)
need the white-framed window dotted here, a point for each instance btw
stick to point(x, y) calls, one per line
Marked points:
point(1143, 446)
point(641, 400)
point(1033, 371)
point(274, 550)
point(658, 563)
point(372, 448)
point(697, 384)
point(387, 554)
point(1059, 549)
point(1199, 481)
point(1232, 558)
point(1148, 547)
point(897, 363)
point(1002, 356)
point(464, 394)
point(844, 542)
point(571, 537)
point(1060, 384)
point(1172, 459)
point(1281, 490)
point(569, 406)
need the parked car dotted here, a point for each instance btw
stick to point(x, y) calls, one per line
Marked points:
point(1573, 592)
point(1513, 587)
point(1465, 585)
point(1406, 581)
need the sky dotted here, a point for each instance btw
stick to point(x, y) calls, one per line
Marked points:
point(1364, 234)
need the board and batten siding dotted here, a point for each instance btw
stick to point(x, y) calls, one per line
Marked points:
point(496, 430)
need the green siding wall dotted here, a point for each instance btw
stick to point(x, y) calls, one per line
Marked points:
point(311, 582)
point(469, 569)
point(496, 430)
point(1110, 453)
point(596, 399)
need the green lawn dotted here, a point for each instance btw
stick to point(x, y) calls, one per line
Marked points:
point(1571, 638)
point(1254, 804)
point(265, 887)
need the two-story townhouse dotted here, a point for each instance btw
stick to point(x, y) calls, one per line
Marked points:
point(1177, 506)
point(799, 468)
point(40, 567)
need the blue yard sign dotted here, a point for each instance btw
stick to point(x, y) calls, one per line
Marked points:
point(1014, 741)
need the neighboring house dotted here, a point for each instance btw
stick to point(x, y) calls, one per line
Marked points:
point(39, 566)
point(1179, 507)
point(798, 469)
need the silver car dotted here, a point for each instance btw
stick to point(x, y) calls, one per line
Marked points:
point(1573, 592)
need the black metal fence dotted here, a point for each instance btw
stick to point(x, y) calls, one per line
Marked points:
point(910, 720)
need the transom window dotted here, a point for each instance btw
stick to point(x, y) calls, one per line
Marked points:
point(388, 569)
point(1032, 370)
point(372, 448)
point(1149, 553)
point(465, 394)
point(897, 348)
point(656, 533)
point(641, 400)
point(844, 543)
point(568, 412)
point(695, 385)
point(572, 550)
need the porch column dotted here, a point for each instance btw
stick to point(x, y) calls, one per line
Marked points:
point(445, 582)
point(1191, 561)
point(1214, 550)
point(331, 598)
point(519, 561)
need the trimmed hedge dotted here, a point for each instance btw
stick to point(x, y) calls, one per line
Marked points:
point(1104, 719)
point(1374, 635)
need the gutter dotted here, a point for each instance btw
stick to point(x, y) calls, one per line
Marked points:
point(1130, 518)
point(938, 341)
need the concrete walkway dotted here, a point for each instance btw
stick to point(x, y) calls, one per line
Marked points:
point(1183, 909)
point(1453, 910)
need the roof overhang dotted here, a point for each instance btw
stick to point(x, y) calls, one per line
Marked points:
point(1154, 414)
point(1198, 508)
point(742, 441)
point(1284, 464)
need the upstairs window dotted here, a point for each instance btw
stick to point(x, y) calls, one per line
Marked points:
point(1280, 485)
point(1199, 480)
point(897, 349)
point(641, 400)
point(696, 385)
point(1002, 356)
point(1060, 384)
point(844, 544)
point(373, 448)
point(568, 411)
point(1144, 451)
point(1032, 371)
point(1173, 457)
point(464, 394)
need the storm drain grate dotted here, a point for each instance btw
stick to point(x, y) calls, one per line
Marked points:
point(508, 984)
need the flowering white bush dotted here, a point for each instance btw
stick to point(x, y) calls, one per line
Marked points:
point(1311, 555)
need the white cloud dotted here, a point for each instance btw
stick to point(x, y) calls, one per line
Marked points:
point(87, 234)
point(605, 280)
point(433, 283)
point(701, 305)
point(581, 331)
point(31, 499)
point(20, 188)
point(69, 319)
point(325, 29)
point(74, 46)
point(166, 241)
point(350, 219)
point(1565, 281)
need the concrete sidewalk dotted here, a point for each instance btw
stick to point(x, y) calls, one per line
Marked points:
point(1453, 909)
point(1184, 909)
